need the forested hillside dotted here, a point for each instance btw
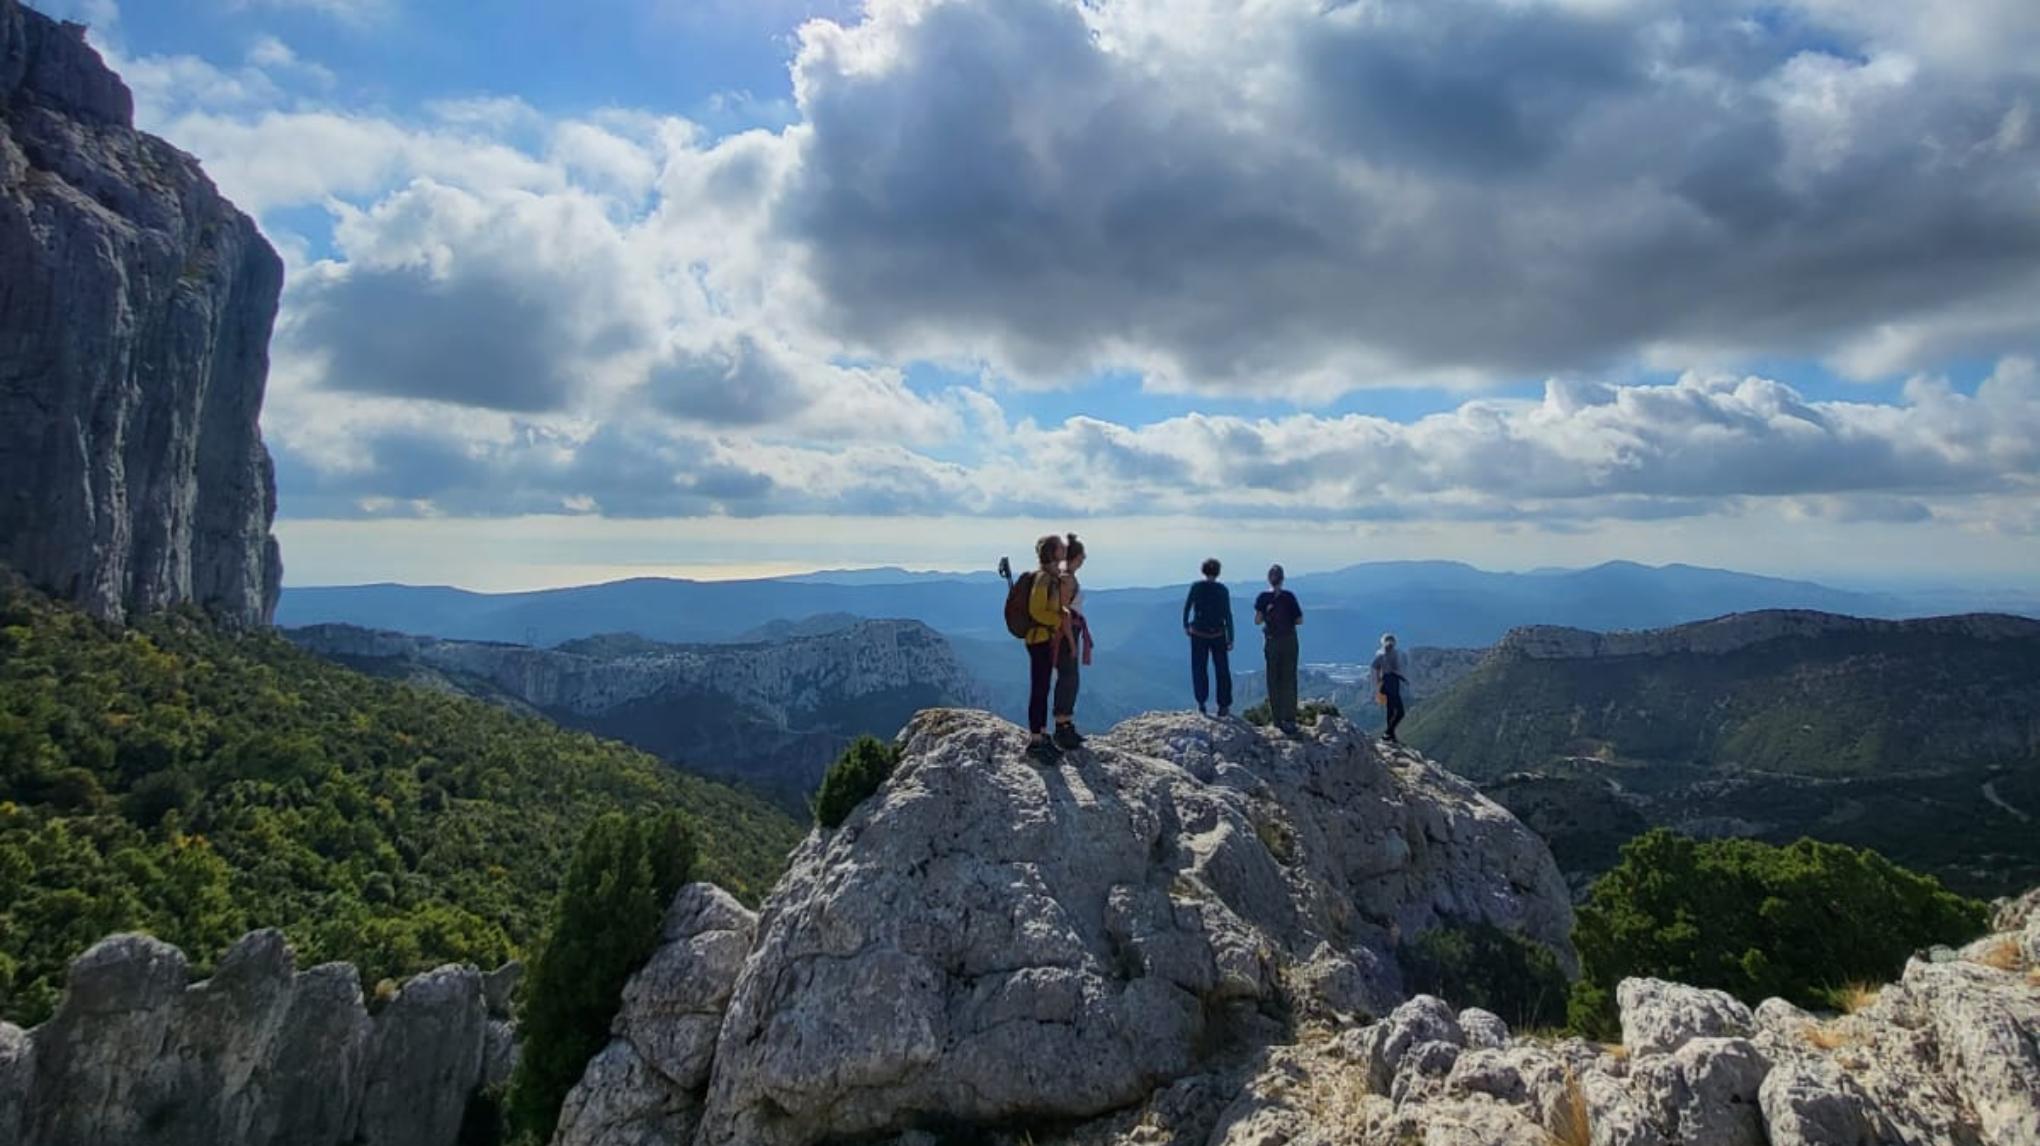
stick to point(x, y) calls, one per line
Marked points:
point(177, 780)
point(1920, 738)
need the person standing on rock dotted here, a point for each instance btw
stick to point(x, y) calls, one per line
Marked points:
point(1045, 610)
point(1391, 672)
point(1278, 614)
point(1207, 620)
point(1073, 643)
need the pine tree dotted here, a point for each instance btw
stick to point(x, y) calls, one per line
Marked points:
point(605, 925)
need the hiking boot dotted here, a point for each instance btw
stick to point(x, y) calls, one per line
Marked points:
point(1289, 728)
point(1201, 712)
point(1044, 750)
point(1224, 710)
point(1067, 737)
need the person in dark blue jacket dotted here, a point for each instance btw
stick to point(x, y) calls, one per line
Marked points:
point(1207, 619)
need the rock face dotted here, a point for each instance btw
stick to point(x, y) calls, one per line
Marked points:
point(257, 1055)
point(773, 714)
point(134, 331)
point(986, 940)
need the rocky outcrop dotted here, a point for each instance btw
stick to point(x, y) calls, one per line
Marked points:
point(257, 1055)
point(772, 714)
point(135, 312)
point(986, 941)
point(1741, 630)
point(646, 1088)
point(1944, 1057)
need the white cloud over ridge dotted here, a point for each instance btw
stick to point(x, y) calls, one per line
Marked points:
point(621, 314)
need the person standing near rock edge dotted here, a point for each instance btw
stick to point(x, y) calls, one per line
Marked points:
point(1278, 614)
point(1390, 674)
point(1074, 635)
point(1207, 621)
point(1045, 610)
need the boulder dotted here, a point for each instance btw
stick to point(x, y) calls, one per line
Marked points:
point(987, 940)
point(647, 1085)
point(1705, 1092)
point(255, 1054)
point(1986, 1023)
point(424, 1060)
point(499, 989)
point(96, 1056)
point(1483, 1029)
point(1660, 1017)
point(17, 1074)
point(1818, 1104)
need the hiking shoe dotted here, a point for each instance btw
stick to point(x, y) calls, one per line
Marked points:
point(1224, 710)
point(1067, 737)
point(1289, 728)
point(1201, 712)
point(1044, 750)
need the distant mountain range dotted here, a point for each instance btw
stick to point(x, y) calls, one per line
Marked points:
point(773, 713)
point(1920, 737)
point(1431, 603)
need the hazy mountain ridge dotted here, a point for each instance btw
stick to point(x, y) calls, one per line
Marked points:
point(1437, 604)
point(772, 713)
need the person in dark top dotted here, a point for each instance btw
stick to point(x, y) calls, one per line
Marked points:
point(1278, 614)
point(1207, 619)
point(1391, 672)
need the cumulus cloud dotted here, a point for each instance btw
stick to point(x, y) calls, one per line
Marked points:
point(623, 313)
point(1323, 197)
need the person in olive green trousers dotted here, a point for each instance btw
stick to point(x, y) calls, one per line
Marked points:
point(1278, 614)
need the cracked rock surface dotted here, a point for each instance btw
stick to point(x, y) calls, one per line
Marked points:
point(988, 940)
point(135, 313)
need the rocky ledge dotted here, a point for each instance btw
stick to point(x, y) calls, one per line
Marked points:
point(260, 1054)
point(991, 943)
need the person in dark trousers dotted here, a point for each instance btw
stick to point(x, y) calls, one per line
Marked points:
point(1207, 619)
point(1391, 672)
point(1073, 643)
point(1045, 609)
point(1278, 614)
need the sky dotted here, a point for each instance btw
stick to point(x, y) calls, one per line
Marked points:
point(737, 287)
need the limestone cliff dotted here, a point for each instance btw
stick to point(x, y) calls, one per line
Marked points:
point(135, 312)
point(772, 714)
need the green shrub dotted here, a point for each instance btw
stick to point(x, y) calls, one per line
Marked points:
point(1756, 920)
point(624, 873)
point(1484, 966)
point(1306, 712)
point(861, 770)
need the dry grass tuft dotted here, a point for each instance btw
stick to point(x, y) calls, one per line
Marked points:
point(1337, 1102)
point(1826, 1036)
point(1617, 1051)
point(1857, 996)
point(2003, 955)
point(2033, 977)
point(1570, 1125)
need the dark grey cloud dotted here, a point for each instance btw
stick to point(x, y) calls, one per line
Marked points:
point(485, 341)
point(1423, 188)
point(741, 384)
